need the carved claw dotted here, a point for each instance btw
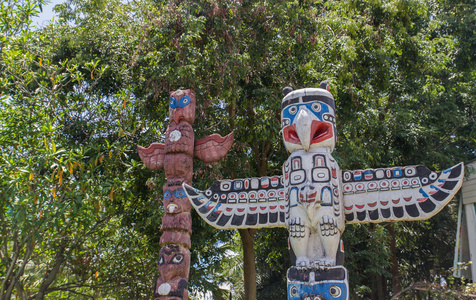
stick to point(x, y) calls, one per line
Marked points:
point(321, 265)
point(328, 226)
point(302, 263)
point(296, 227)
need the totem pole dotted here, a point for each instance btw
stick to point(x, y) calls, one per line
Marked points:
point(314, 199)
point(176, 157)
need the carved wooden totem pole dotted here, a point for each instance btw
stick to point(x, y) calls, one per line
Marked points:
point(314, 199)
point(176, 157)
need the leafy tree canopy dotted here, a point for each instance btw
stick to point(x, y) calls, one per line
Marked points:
point(78, 213)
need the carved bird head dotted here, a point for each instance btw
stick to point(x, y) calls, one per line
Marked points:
point(308, 118)
point(182, 106)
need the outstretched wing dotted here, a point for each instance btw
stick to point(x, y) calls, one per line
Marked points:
point(398, 194)
point(241, 203)
point(213, 147)
point(152, 157)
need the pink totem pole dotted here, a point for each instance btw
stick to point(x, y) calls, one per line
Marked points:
point(176, 157)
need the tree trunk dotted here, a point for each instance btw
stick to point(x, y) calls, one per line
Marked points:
point(393, 259)
point(249, 269)
point(51, 274)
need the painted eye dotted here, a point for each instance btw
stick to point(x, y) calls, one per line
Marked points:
point(173, 102)
point(179, 194)
point(335, 291)
point(167, 195)
point(316, 107)
point(161, 261)
point(184, 101)
point(293, 110)
point(293, 291)
point(178, 258)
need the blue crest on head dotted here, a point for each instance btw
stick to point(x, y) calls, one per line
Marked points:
point(317, 101)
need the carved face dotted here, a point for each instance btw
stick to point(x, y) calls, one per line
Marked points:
point(175, 200)
point(174, 261)
point(308, 120)
point(331, 284)
point(182, 106)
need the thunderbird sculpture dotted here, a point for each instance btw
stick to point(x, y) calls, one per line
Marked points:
point(314, 199)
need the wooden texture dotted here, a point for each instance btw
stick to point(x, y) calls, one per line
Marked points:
point(175, 156)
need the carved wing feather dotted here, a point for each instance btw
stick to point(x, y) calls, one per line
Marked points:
point(241, 203)
point(398, 194)
point(213, 147)
point(153, 157)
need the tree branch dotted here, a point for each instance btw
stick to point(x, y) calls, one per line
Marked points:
point(26, 258)
point(59, 259)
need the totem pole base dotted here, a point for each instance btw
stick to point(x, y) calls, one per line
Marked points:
point(318, 284)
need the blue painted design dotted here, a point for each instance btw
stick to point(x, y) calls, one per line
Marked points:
point(184, 101)
point(397, 172)
point(434, 187)
point(180, 193)
point(216, 207)
point(167, 194)
point(173, 103)
point(328, 189)
point(447, 171)
point(441, 180)
point(423, 193)
point(238, 184)
point(291, 111)
point(328, 288)
point(293, 197)
point(368, 174)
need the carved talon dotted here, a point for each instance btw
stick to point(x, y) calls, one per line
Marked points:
point(296, 227)
point(302, 262)
point(328, 226)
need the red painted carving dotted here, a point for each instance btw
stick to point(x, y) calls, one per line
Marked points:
point(173, 264)
point(182, 222)
point(178, 168)
point(152, 157)
point(175, 200)
point(213, 147)
point(179, 138)
point(175, 237)
point(176, 158)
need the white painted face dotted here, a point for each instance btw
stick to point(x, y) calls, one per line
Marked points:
point(308, 120)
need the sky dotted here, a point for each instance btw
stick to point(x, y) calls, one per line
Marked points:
point(47, 14)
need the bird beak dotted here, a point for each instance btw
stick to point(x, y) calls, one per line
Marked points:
point(303, 128)
point(177, 116)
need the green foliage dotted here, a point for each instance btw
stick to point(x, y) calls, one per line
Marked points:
point(78, 213)
point(69, 175)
